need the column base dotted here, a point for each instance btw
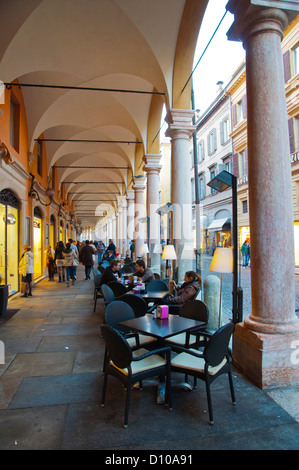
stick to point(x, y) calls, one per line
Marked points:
point(269, 360)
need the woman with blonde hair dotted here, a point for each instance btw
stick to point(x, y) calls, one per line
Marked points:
point(26, 269)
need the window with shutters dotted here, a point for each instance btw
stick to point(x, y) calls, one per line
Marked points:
point(295, 64)
point(239, 112)
point(201, 185)
point(201, 150)
point(14, 124)
point(212, 175)
point(224, 131)
point(212, 142)
point(296, 134)
point(245, 206)
point(242, 164)
point(227, 162)
point(39, 158)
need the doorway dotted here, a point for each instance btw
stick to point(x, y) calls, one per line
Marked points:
point(37, 242)
point(9, 241)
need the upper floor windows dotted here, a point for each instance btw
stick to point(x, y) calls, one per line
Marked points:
point(212, 142)
point(224, 131)
point(296, 60)
point(39, 157)
point(201, 150)
point(14, 124)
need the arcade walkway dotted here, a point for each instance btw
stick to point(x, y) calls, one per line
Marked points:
point(51, 382)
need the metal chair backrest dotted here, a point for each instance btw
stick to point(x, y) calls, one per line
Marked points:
point(137, 303)
point(117, 287)
point(217, 346)
point(156, 285)
point(107, 293)
point(127, 269)
point(97, 280)
point(116, 312)
point(118, 348)
point(195, 309)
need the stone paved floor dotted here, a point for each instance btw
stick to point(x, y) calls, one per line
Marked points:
point(51, 381)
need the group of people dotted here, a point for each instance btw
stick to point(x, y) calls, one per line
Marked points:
point(65, 259)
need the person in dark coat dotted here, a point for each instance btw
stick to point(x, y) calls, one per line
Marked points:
point(111, 247)
point(87, 253)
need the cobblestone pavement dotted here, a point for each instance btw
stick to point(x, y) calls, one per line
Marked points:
point(244, 278)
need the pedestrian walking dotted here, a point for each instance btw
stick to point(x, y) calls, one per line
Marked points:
point(59, 260)
point(26, 269)
point(87, 253)
point(70, 263)
point(50, 261)
point(245, 250)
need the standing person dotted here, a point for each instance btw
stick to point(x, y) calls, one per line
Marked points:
point(59, 260)
point(26, 269)
point(70, 258)
point(245, 250)
point(75, 249)
point(100, 251)
point(87, 253)
point(132, 248)
point(50, 261)
point(111, 247)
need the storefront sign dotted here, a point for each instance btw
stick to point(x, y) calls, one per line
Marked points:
point(295, 157)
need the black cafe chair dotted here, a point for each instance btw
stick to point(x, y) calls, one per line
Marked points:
point(97, 290)
point(130, 368)
point(108, 294)
point(118, 288)
point(137, 303)
point(210, 364)
point(195, 310)
point(118, 311)
point(156, 285)
point(126, 269)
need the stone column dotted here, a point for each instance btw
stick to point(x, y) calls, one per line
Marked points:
point(180, 129)
point(130, 214)
point(139, 187)
point(125, 237)
point(114, 228)
point(120, 226)
point(152, 167)
point(262, 344)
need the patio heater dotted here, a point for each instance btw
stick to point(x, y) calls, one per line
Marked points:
point(221, 182)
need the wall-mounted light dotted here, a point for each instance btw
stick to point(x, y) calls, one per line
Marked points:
point(50, 192)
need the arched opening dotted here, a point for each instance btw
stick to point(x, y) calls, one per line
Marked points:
point(9, 240)
point(37, 241)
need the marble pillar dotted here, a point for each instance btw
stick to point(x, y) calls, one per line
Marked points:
point(125, 237)
point(139, 187)
point(130, 214)
point(262, 344)
point(152, 168)
point(180, 129)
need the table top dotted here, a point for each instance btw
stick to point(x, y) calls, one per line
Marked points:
point(161, 328)
point(157, 295)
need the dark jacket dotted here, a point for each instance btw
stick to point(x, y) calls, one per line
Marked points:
point(86, 255)
point(108, 276)
point(186, 292)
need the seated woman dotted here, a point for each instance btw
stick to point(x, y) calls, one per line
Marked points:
point(187, 291)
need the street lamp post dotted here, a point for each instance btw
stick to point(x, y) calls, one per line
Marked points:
point(221, 182)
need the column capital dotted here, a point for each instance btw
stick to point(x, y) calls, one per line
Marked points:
point(152, 163)
point(130, 195)
point(255, 16)
point(139, 183)
point(180, 121)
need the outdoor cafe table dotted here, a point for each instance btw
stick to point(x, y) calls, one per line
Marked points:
point(162, 329)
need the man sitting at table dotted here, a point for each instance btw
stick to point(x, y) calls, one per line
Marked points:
point(143, 273)
point(111, 273)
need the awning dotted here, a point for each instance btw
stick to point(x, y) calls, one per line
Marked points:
point(218, 224)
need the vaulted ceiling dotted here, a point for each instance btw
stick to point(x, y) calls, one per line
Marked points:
point(141, 49)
